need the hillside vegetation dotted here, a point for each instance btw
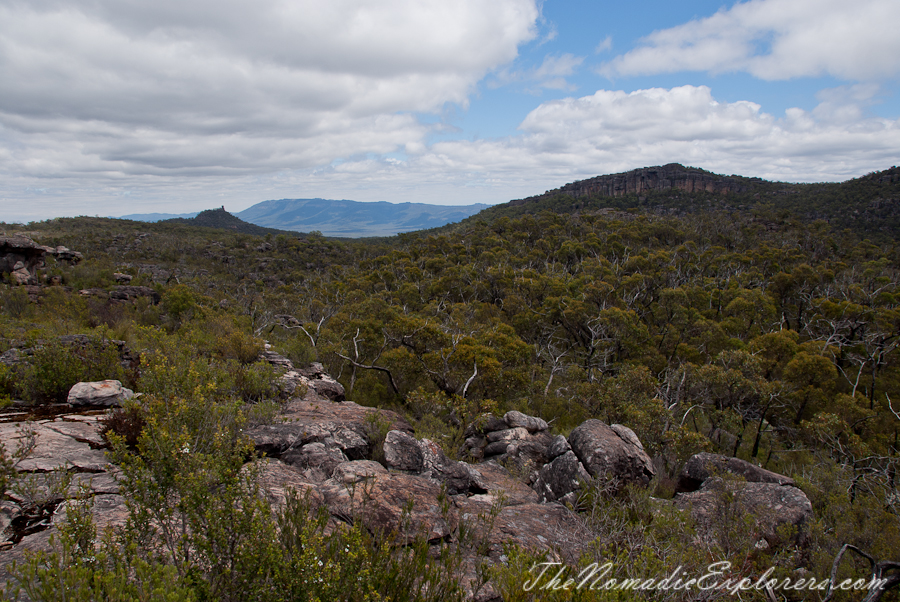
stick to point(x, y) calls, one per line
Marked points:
point(763, 324)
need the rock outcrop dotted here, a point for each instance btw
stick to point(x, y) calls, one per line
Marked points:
point(517, 439)
point(314, 382)
point(666, 177)
point(326, 450)
point(22, 257)
point(346, 427)
point(123, 293)
point(31, 514)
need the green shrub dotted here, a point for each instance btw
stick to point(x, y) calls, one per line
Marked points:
point(179, 303)
point(57, 365)
point(7, 381)
point(14, 302)
point(252, 382)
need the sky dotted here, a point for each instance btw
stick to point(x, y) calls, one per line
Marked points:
point(113, 107)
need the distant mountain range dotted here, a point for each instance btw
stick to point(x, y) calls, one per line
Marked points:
point(345, 218)
point(869, 204)
point(352, 218)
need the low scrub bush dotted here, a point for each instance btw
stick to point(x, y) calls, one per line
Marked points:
point(127, 423)
point(14, 302)
point(57, 365)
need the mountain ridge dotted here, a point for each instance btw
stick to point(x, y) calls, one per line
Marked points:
point(354, 219)
point(869, 204)
point(656, 178)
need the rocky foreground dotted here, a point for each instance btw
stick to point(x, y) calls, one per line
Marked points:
point(361, 463)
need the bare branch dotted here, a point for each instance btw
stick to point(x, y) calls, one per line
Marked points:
point(372, 367)
point(469, 382)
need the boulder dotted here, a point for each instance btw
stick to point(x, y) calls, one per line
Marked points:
point(327, 388)
point(526, 457)
point(561, 479)
point(321, 385)
point(607, 454)
point(457, 477)
point(772, 506)
point(405, 506)
point(104, 393)
point(357, 471)
point(531, 423)
point(558, 447)
point(316, 460)
point(402, 452)
point(702, 466)
point(627, 435)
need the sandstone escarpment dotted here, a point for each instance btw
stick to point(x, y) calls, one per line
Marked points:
point(666, 177)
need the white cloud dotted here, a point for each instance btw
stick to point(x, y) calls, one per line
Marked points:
point(776, 40)
point(614, 131)
point(604, 46)
point(112, 89)
point(560, 141)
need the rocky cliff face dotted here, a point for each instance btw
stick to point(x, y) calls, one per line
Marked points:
point(22, 257)
point(666, 177)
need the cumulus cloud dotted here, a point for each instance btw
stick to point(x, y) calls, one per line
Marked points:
point(559, 141)
point(115, 88)
point(776, 40)
point(613, 131)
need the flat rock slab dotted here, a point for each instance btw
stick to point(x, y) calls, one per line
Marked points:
point(53, 449)
point(108, 511)
point(277, 480)
point(82, 431)
point(345, 412)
